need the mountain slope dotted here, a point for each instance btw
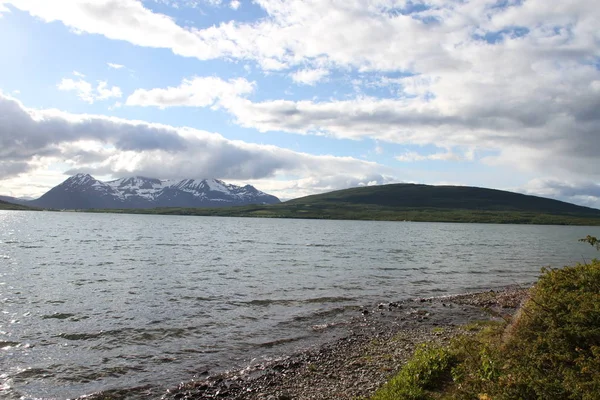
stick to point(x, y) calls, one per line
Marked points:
point(5, 205)
point(13, 200)
point(82, 191)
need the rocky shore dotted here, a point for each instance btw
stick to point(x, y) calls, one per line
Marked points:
point(381, 339)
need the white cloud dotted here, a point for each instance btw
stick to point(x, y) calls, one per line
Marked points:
point(235, 4)
point(177, 4)
point(86, 92)
point(309, 76)
point(82, 88)
point(78, 74)
point(194, 92)
point(574, 191)
point(115, 66)
point(126, 20)
point(104, 92)
point(368, 35)
point(31, 140)
point(448, 155)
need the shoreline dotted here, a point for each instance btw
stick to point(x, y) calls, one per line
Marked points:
point(380, 340)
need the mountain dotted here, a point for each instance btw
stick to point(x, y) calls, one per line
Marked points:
point(408, 195)
point(82, 191)
point(411, 202)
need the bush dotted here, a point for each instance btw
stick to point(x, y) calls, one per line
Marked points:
point(554, 349)
point(428, 369)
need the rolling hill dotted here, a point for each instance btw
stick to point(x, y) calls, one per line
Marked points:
point(407, 195)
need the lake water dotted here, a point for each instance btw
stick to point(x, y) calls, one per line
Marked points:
point(92, 302)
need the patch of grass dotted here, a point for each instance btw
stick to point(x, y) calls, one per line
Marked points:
point(549, 350)
point(428, 369)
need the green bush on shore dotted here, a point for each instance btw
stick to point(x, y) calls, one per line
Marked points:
point(428, 368)
point(549, 350)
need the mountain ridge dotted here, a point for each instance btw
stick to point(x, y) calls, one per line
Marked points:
point(83, 191)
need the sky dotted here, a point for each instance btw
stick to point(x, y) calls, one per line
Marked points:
point(303, 96)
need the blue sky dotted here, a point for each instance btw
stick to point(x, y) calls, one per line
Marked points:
point(303, 97)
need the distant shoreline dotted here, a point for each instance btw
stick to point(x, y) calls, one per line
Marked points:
point(415, 215)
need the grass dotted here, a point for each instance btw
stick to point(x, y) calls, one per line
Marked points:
point(428, 369)
point(549, 350)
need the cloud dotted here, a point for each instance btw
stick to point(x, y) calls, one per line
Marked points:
point(194, 92)
point(580, 191)
point(126, 20)
point(448, 155)
point(235, 4)
point(434, 39)
point(322, 183)
point(118, 147)
point(412, 156)
point(309, 76)
point(360, 34)
point(115, 66)
point(86, 92)
point(543, 117)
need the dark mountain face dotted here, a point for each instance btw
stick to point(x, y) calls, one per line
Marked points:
point(82, 191)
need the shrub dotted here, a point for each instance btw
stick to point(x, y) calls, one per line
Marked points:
point(428, 369)
point(550, 350)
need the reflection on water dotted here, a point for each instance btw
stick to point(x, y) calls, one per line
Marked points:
point(96, 302)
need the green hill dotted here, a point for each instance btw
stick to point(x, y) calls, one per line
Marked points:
point(5, 205)
point(406, 195)
point(410, 202)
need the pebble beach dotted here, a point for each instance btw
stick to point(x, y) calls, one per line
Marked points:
point(381, 339)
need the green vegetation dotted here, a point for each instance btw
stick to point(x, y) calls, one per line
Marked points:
point(407, 202)
point(4, 205)
point(428, 369)
point(372, 213)
point(549, 350)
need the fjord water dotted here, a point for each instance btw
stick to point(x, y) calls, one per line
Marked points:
point(93, 302)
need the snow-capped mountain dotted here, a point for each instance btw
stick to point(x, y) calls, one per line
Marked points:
point(82, 191)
